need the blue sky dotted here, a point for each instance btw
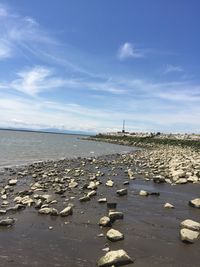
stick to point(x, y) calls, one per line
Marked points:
point(87, 65)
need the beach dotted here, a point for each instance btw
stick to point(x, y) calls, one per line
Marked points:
point(151, 233)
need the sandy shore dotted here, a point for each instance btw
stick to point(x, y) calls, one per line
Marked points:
point(151, 232)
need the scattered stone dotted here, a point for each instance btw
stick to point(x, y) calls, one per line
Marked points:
point(130, 174)
point(189, 235)
point(67, 211)
point(115, 215)
point(122, 192)
point(143, 193)
point(126, 183)
point(190, 224)
point(73, 184)
point(168, 206)
point(12, 182)
point(84, 199)
point(195, 203)
point(114, 258)
point(50, 211)
point(109, 183)
point(114, 235)
point(181, 181)
point(105, 221)
point(50, 227)
point(159, 179)
point(92, 193)
point(7, 222)
point(102, 200)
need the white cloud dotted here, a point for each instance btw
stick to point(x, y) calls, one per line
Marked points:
point(3, 11)
point(127, 50)
point(173, 68)
point(36, 80)
point(5, 51)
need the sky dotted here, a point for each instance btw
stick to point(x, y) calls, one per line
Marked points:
point(88, 65)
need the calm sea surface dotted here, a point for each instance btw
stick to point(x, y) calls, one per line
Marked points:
point(18, 147)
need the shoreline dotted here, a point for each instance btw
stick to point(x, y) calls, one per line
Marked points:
point(151, 232)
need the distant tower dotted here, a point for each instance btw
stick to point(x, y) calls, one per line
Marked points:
point(123, 129)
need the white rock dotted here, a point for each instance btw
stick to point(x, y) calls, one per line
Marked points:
point(109, 183)
point(67, 211)
point(114, 235)
point(190, 224)
point(47, 211)
point(195, 203)
point(181, 181)
point(143, 193)
point(114, 258)
point(91, 193)
point(104, 221)
point(102, 200)
point(12, 182)
point(189, 235)
point(168, 206)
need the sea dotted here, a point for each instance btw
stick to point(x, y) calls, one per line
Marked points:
point(23, 147)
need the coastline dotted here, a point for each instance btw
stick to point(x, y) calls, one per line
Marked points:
point(151, 232)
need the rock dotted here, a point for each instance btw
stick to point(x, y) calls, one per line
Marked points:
point(114, 235)
point(47, 198)
point(158, 180)
point(193, 179)
point(7, 222)
point(67, 211)
point(91, 193)
point(84, 199)
point(195, 203)
point(122, 192)
point(126, 183)
point(130, 174)
point(181, 181)
point(105, 221)
point(114, 258)
point(189, 235)
point(3, 212)
point(73, 184)
point(4, 197)
point(168, 206)
point(143, 193)
point(102, 200)
point(92, 185)
point(115, 215)
point(12, 182)
point(178, 174)
point(109, 183)
point(190, 224)
point(50, 211)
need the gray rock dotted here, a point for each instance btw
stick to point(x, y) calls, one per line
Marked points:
point(122, 192)
point(115, 215)
point(67, 211)
point(7, 222)
point(114, 258)
point(50, 211)
point(114, 235)
point(84, 199)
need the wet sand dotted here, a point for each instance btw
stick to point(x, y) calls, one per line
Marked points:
point(151, 232)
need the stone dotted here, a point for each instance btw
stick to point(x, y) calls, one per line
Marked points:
point(126, 183)
point(130, 174)
point(67, 211)
point(3, 212)
point(168, 206)
point(122, 192)
point(4, 197)
point(189, 235)
point(143, 193)
point(190, 224)
point(181, 181)
point(12, 182)
point(84, 199)
point(110, 183)
point(50, 211)
point(105, 221)
point(91, 193)
point(73, 184)
point(92, 185)
point(114, 258)
point(195, 203)
point(102, 200)
point(114, 235)
point(158, 180)
point(7, 222)
point(178, 174)
point(115, 215)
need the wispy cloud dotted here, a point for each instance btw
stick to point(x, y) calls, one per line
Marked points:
point(173, 68)
point(5, 50)
point(128, 50)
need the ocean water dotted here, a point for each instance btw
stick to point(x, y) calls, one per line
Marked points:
point(19, 147)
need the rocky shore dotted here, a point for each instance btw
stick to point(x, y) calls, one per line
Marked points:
point(140, 209)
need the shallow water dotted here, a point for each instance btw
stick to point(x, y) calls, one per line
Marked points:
point(19, 147)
